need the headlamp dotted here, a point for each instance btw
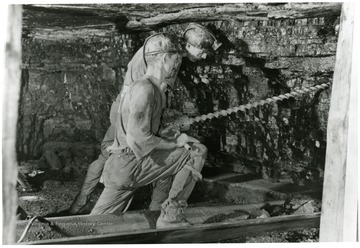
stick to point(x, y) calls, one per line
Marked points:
point(195, 51)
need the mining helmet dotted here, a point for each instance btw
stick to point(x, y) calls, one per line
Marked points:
point(161, 43)
point(200, 41)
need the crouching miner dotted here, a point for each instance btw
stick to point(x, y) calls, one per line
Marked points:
point(141, 154)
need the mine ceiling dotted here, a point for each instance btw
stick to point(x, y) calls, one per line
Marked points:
point(142, 17)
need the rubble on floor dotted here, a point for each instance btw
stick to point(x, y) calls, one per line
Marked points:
point(56, 190)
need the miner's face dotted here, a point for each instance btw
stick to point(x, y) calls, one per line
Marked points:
point(194, 53)
point(172, 65)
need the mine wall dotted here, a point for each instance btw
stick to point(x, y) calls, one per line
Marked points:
point(71, 75)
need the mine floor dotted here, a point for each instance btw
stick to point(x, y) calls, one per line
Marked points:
point(57, 193)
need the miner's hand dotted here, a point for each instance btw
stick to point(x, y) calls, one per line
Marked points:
point(169, 132)
point(184, 139)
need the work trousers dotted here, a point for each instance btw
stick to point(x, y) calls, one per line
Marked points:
point(161, 189)
point(123, 174)
point(95, 169)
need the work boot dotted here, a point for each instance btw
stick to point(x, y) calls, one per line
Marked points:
point(172, 215)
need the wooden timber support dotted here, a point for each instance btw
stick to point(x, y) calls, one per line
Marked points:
point(69, 228)
point(339, 219)
point(146, 17)
point(231, 12)
point(11, 96)
point(197, 233)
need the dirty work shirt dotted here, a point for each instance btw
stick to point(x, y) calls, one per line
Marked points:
point(136, 126)
point(139, 119)
point(136, 69)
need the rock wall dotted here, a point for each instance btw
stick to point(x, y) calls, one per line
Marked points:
point(70, 79)
point(260, 59)
point(68, 85)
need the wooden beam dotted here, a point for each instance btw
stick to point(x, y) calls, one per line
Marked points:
point(336, 171)
point(198, 233)
point(351, 216)
point(11, 96)
point(70, 34)
point(236, 12)
point(111, 11)
point(144, 17)
point(85, 225)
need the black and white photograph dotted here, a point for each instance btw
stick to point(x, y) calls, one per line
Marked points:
point(179, 123)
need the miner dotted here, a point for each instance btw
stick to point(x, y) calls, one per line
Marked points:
point(199, 43)
point(140, 154)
